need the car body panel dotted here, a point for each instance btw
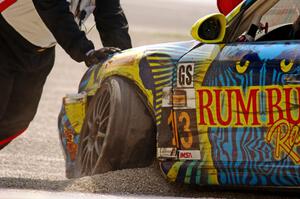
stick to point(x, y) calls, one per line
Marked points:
point(257, 146)
point(150, 68)
point(241, 7)
point(226, 114)
point(129, 67)
point(183, 122)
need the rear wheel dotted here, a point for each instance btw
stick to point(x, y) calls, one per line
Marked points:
point(118, 132)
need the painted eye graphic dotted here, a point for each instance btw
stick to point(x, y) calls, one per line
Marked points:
point(242, 68)
point(286, 67)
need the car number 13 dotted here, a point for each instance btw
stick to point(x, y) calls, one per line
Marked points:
point(186, 140)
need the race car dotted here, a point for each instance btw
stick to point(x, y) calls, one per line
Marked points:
point(222, 109)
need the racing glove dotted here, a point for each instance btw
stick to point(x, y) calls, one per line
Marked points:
point(94, 57)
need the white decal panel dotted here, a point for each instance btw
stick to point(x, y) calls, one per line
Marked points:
point(185, 75)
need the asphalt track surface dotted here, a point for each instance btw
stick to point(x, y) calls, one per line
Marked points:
point(31, 194)
point(32, 166)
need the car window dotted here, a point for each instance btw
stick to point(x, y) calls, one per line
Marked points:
point(285, 11)
point(252, 15)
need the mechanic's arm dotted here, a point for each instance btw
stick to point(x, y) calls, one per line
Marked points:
point(112, 24)
point(60, 21)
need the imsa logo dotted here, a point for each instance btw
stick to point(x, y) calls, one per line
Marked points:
point(189, 155)
point(185, 73)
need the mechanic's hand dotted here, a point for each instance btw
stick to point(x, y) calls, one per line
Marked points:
point(96, 56)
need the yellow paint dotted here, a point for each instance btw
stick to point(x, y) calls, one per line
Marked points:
point(173, 172)
point(159, 111)
point(124, 65)
point(162, 75)
point(242, 68)
point(195, 28)
point(156, 58)
point(285, 138)
point(91, 83)
point(233, 13)
point(159, 94)
point(161, 70)
point(158, 99)
point(160, 64)
point(158, 117)
point(161, 87)
point(158, 106)
point(164, 81)
point(286, 67)
point(204, 143)
point(76, 113)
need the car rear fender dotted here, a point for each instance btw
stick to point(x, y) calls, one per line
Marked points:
point(147, 67)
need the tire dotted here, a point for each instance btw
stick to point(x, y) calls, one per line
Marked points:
point(118, 132)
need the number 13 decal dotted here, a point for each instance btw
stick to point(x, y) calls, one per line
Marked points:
point(186, 138)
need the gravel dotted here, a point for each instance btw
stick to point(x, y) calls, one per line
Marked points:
point(138, 182)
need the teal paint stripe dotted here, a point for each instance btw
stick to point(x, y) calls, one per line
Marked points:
point(188, 173)
point(198, 175)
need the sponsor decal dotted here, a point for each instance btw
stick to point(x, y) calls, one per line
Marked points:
point(166, 153)
point(189, 155)
point(167, 97)
point(185, 74)
point(275, 107)
point(179, 98)
point(185, 98)
point(258, 106)
point(286, 138)
point(184, 128)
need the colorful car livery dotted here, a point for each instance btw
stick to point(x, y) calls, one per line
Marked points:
point(217, 110)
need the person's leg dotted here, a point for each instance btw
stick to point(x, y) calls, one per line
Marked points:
point(4, 145)
point(24, 99)
point(6, 87)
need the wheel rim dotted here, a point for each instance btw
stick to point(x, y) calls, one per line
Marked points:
point(93, 138)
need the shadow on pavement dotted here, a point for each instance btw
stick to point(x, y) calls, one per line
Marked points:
point(173, 189)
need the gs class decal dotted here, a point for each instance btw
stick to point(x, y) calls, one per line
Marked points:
point(185, 74)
